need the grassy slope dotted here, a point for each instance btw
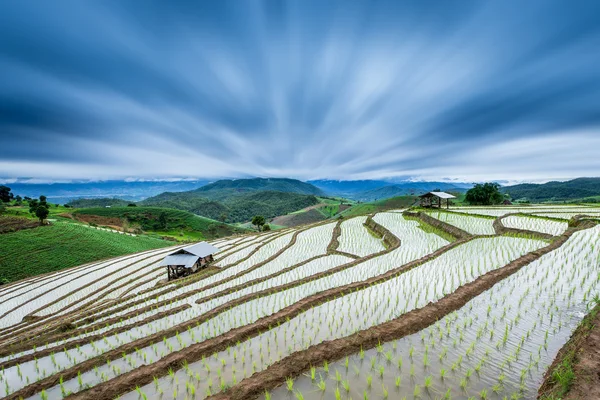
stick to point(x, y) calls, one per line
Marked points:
point(381, 205)
point(180, 224)
point(61, 245)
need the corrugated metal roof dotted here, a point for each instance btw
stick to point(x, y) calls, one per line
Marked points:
point(186, 260)
point(441, 195)
point(201, 249)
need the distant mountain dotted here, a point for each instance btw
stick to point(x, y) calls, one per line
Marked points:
point(406, 188)
point(555, 191)
point(226, 187)
point(347, 188)
point(64, 192)
point(239, 200)
point(370, 190)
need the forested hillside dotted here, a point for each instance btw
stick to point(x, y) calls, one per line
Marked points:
point(555, 191)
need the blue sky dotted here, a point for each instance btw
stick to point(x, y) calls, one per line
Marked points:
point(466, 90)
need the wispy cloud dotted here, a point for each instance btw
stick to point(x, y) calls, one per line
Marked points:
point(309, 89)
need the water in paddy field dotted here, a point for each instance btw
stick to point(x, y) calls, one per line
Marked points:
point(501, 342)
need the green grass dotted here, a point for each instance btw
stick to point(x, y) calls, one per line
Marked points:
point(335, 200)
point(61, 245)
point(329, 210)
point(23, 211)
point(180, 225)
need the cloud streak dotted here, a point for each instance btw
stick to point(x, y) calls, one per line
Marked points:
point(307, 89)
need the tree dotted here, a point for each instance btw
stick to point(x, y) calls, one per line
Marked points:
point(258, 221)
point(484, 194)
point(2, 207)
point(266, 227)
point(43, 202)
point(33, 205)
point(5, 194)
point(131, 205)
point(162, 220)
point(42, 213)
point(223, 217)
point(18, 200)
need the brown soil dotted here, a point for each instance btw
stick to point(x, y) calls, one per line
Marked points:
point(335, 237)
point(582, 352)
point(12, 224)
point(407, 324)
point(307, 217)
point(343, 207)
point(113, 222)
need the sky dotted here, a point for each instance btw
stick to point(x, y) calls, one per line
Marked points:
point(423, 90)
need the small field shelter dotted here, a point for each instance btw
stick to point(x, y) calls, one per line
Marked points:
point(434, 199)
point(188, 260)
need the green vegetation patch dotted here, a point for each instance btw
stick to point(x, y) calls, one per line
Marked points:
point(62, 245)
point(180, 224)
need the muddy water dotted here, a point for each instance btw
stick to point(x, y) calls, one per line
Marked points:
point(537, 309)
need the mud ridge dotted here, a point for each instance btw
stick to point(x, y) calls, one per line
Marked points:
point(335, 242)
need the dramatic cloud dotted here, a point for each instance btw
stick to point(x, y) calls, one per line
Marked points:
point(464, 90)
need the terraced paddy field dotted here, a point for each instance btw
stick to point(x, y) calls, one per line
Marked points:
point(465, 303)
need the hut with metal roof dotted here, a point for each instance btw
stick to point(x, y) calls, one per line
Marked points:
point(188, 260)
point(434, 199)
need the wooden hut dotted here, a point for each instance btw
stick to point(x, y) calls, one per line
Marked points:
point(188, 260)
point(434, 199)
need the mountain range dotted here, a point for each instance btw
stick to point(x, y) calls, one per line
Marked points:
point(368, 190)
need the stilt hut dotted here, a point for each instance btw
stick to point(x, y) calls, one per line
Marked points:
point(188, 260)
point(434, 199)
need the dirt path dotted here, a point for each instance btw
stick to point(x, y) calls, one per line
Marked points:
point(581, 357)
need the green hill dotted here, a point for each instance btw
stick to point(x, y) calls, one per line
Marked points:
point(236, 205)
point(555, 191)
point(62, 245)
point(177, 223)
